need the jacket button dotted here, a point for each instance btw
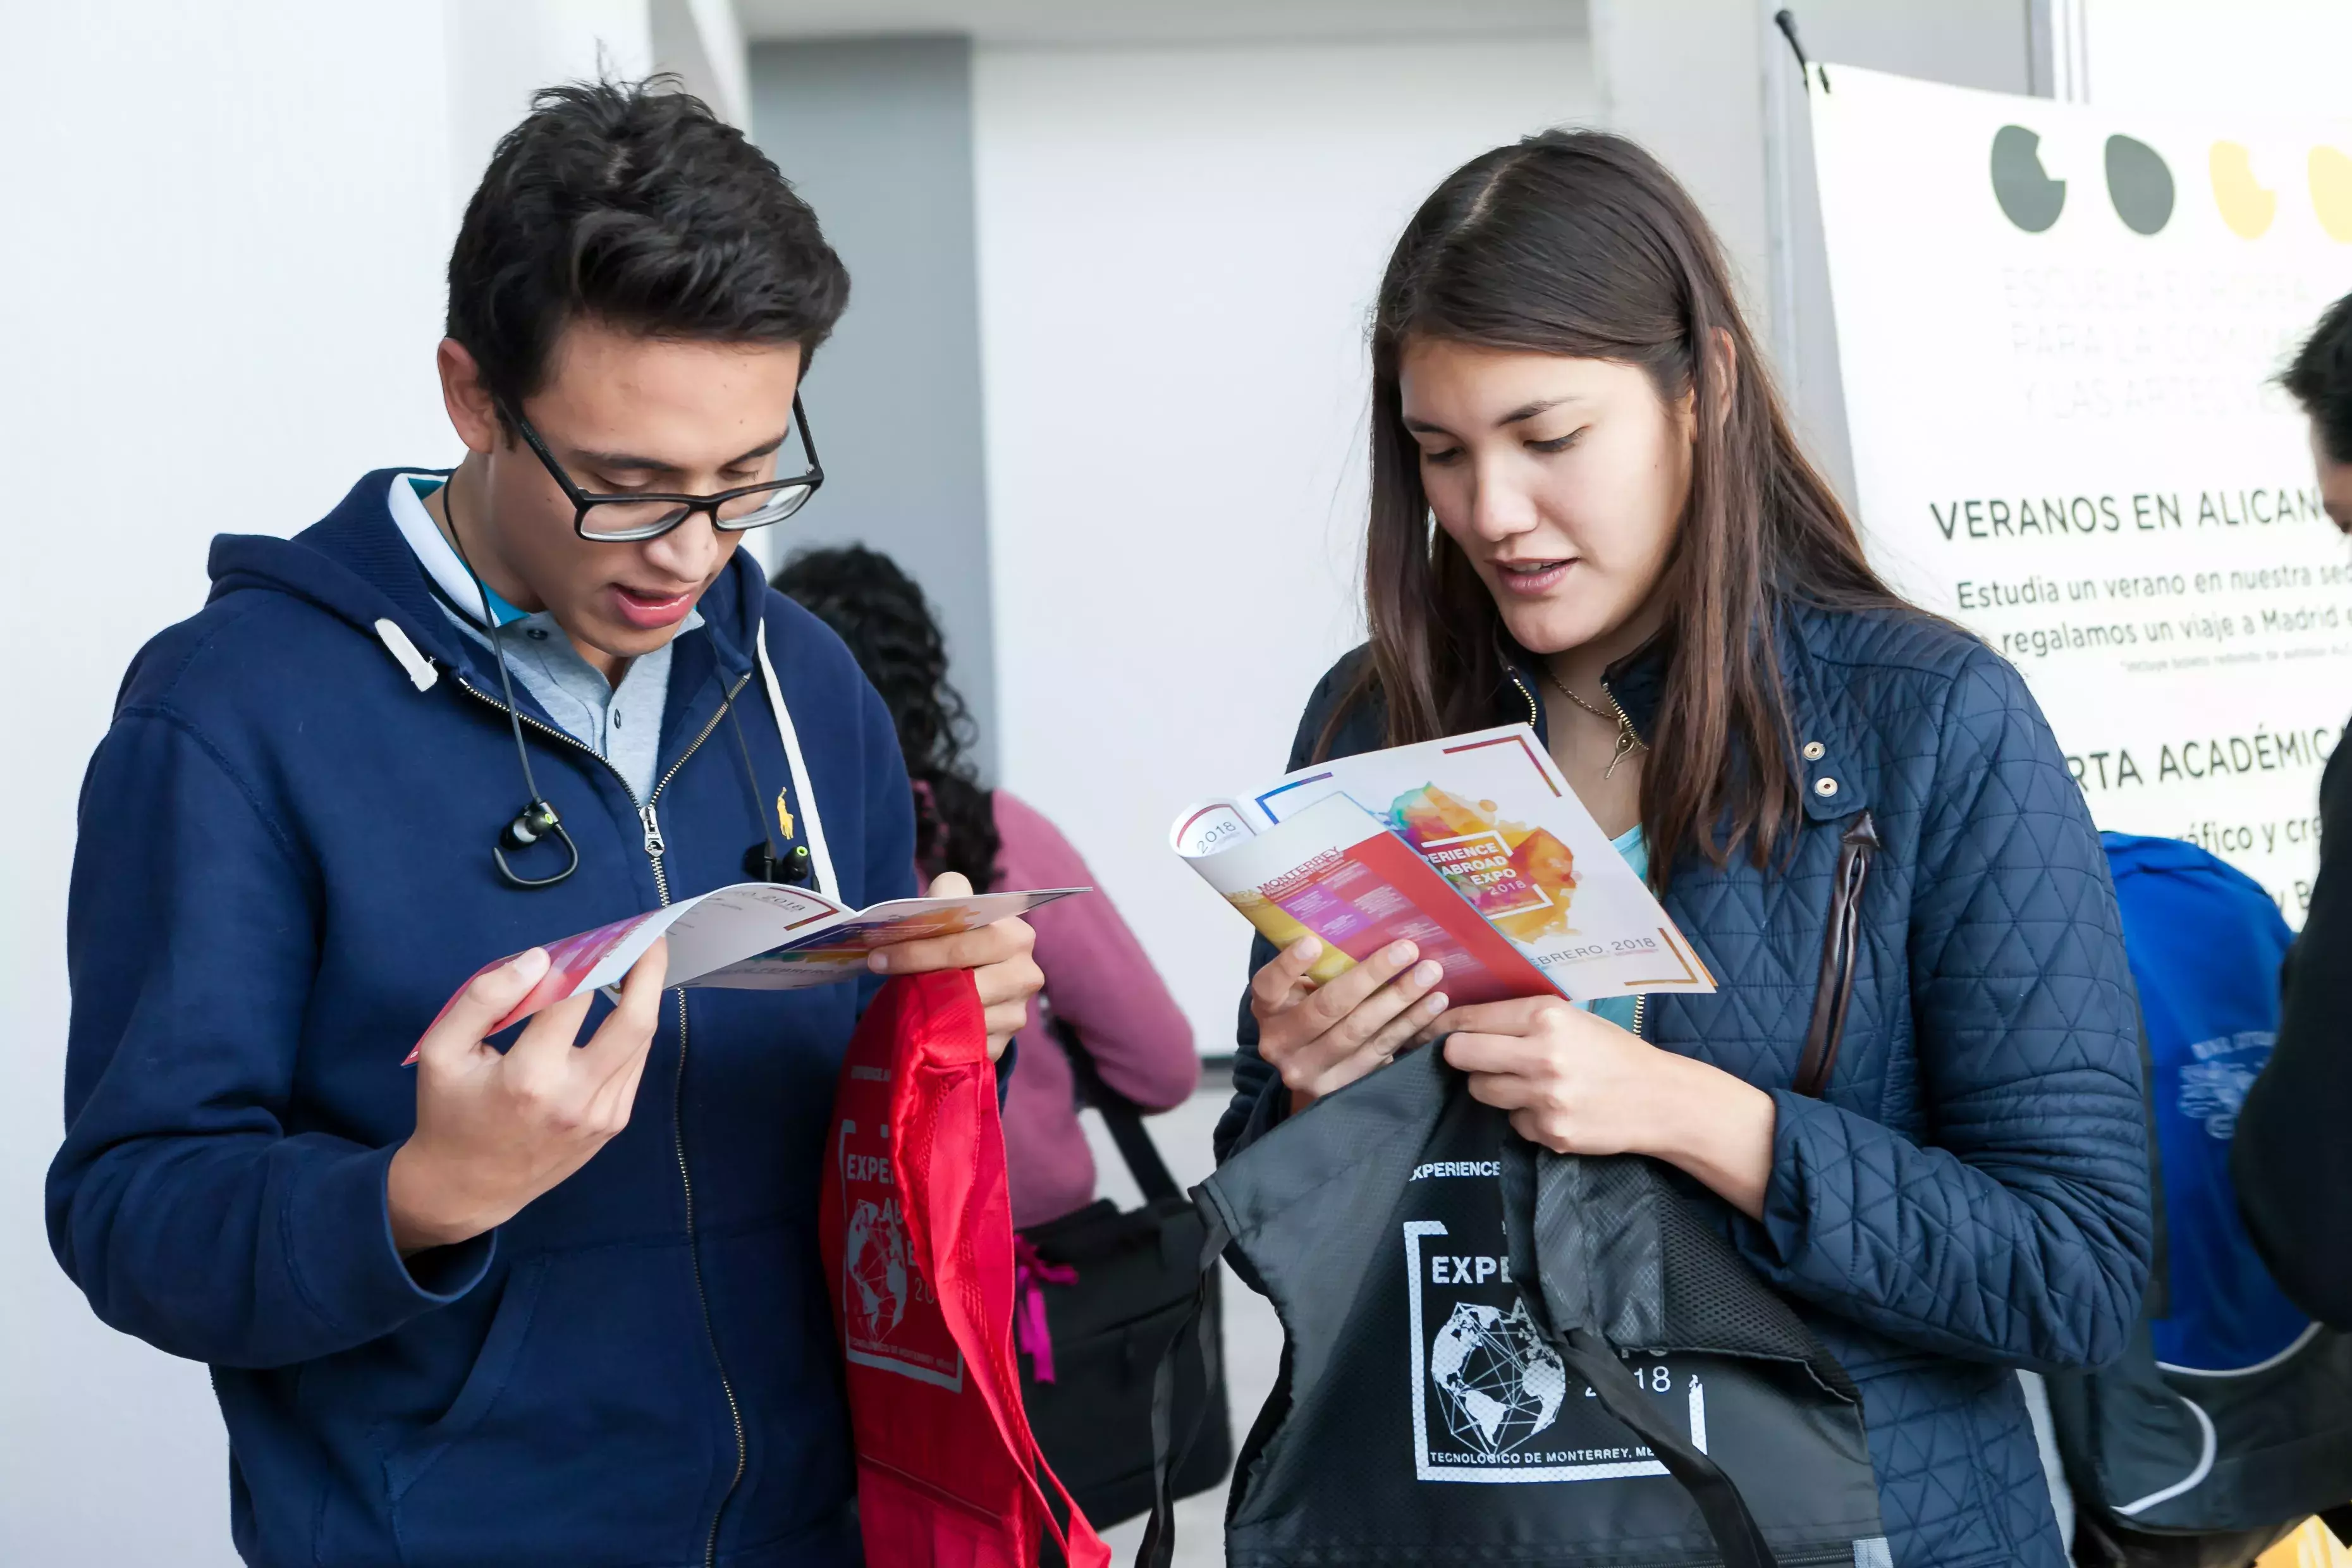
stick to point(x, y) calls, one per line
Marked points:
point(1815, 751)
point(1825, 787)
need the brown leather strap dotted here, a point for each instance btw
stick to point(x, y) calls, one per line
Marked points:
point(1840, 945)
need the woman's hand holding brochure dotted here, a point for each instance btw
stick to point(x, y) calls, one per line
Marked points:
point(1324, 1037)
point(1463, 869)
point(1472, 847)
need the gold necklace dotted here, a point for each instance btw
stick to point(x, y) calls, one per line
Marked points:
point(1627, 741)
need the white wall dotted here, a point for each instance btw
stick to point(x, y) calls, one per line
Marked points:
point(2280, 56)
point(1686, 80)
point(495, 55)
point(219, 302)
point(1179, 251)
point(219, 293)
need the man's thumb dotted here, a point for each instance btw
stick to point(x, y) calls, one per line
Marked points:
point(950, 885)
point(482, 1004)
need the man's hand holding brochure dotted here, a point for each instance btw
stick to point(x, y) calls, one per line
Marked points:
point(755, 936)
point(1473, 847)
point(495, 1129)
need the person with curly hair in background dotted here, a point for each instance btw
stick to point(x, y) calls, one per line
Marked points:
point(1097, 979)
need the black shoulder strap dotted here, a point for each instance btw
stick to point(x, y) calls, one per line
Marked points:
point(1720, 1503)
point(1120, 1114)
point(1159, 1548)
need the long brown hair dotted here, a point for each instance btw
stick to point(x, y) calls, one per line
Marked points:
point(1579, 243)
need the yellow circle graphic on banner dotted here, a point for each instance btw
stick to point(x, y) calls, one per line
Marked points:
point(2245, 206)
point(2331, 191)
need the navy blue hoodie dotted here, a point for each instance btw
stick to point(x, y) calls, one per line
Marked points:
point(284, 869)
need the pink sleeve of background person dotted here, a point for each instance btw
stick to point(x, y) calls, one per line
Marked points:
point(1097, 978)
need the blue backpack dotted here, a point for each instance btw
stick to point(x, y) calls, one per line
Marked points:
point(2233, 1410)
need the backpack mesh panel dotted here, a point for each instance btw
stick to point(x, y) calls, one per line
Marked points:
point(1714, 1299)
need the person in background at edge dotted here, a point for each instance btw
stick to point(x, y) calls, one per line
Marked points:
point(2291, 1158)
point(1630, 552)
point(556, 1305)
point(1097, 979)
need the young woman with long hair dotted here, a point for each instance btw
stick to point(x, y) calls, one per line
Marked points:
point(1097, 978)
point(1912, 1105)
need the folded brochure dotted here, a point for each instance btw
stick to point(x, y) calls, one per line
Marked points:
point(755, 936)
point(1473, 847)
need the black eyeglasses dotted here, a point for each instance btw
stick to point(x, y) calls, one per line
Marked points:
point(619, 518)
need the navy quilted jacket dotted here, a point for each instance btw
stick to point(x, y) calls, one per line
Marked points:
point(1969, 1193)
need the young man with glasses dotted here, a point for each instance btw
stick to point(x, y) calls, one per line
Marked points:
point(529, 1301)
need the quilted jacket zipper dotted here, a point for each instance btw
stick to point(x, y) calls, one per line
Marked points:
point(1841, 940)
point(1640, 999)
point(649, 818)
point(1533, 723)
point(1840, 946)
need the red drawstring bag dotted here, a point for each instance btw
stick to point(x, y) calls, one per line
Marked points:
point(917, 1232)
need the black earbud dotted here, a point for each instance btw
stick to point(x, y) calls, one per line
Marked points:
point(531, 824)
point(761, 864)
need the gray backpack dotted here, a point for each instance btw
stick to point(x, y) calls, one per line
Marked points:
point(1495, 1355)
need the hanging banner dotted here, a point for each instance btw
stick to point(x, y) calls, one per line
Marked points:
point(2058, 327)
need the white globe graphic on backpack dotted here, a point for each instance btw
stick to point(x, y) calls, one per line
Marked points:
point(874, 1267)
point(1501, 1382)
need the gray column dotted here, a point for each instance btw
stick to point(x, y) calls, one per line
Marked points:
point(877, 134)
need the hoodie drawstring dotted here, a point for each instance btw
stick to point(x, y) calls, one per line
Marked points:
point(827, 882)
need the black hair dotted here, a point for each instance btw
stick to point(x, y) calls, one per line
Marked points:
point(2320, 378)
point(632, 204)
point(881, 614)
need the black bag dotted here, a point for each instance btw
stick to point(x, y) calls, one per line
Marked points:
point(1497, 1354)
point(2199, 1452)
point(1132, 1298)
point(2161, 1456)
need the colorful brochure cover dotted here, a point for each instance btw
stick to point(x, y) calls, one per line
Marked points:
point(1474, 847)
point(756, 936)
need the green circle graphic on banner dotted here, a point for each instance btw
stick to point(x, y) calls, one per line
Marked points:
point(2139, 184)
point(2029, 198)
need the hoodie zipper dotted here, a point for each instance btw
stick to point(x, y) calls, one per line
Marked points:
point(649, 818)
